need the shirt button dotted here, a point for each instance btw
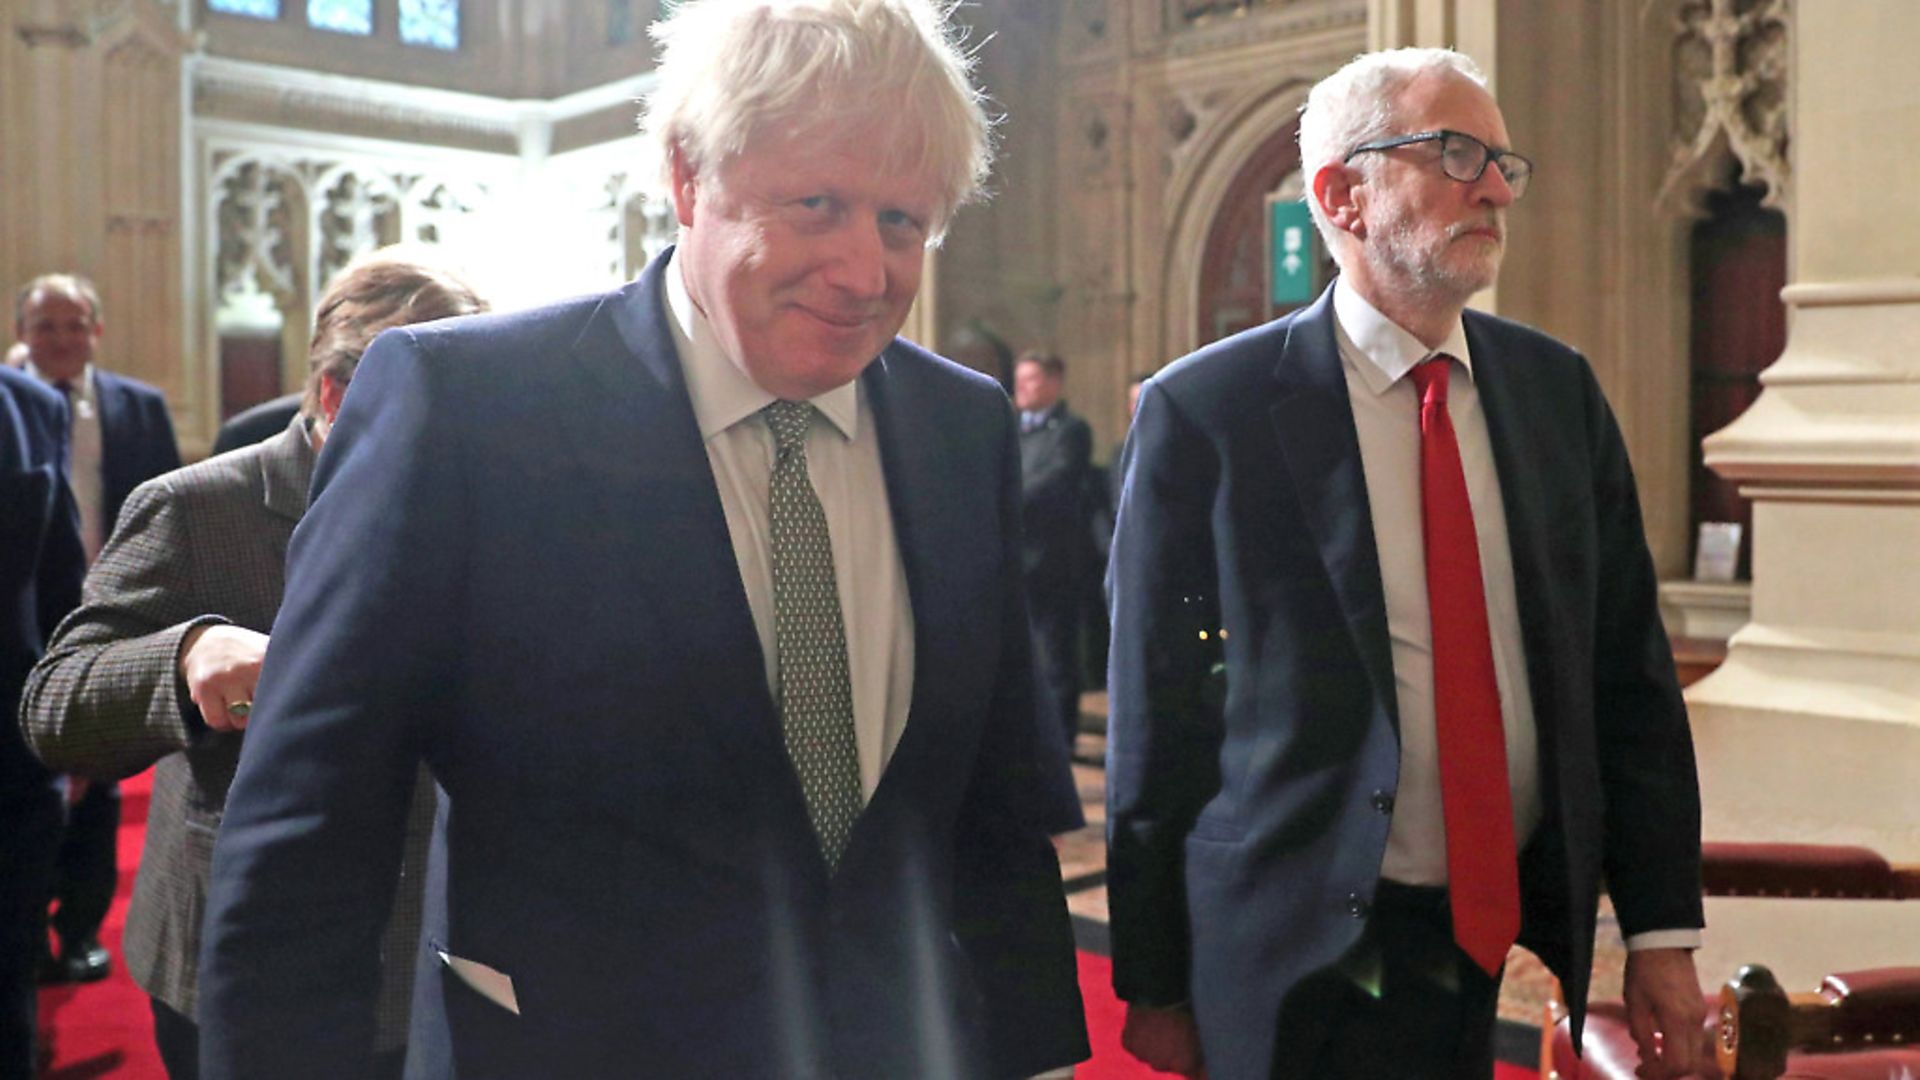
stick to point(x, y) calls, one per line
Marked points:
point(1383, 801)
point(1357, 905)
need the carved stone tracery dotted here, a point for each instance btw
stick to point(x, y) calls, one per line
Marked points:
point(1201, 11)
point(289, 224)
point(256, 224)
point(1730, 77)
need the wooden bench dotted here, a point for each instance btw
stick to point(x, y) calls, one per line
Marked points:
point(1765, 1028)
point(1859, 1025)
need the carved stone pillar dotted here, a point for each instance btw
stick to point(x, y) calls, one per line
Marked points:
point(1811, 730)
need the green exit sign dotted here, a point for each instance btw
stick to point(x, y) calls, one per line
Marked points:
point(1292, 252)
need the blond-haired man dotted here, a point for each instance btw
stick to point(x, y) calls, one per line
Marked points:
point(701, 599)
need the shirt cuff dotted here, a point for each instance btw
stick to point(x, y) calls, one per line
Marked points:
point(1664, 939)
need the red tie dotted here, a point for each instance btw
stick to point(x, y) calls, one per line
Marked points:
point(1483, 866)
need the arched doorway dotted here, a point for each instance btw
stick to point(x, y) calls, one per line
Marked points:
point(1233, 292)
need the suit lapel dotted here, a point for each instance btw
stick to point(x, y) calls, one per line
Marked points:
point(637, 438)
point(912, 460)
point(1313, 422)
point(286, 472)
point(1512, 429)
point(111, 404)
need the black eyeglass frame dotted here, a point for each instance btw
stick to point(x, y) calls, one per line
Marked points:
point(1489, 156)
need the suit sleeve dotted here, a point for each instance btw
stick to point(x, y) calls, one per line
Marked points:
point(63, 557)
point(1652, 856)
point(309, 852)
point(1011, 919)
point(165, 454)
point(1164, 730)
point(107, 700)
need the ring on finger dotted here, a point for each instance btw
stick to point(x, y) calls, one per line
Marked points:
point(241, 709)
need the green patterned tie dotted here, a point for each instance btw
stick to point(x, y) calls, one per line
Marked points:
point(810, 639)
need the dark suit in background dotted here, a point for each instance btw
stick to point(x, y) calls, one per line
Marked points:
point(136, 439)
point(41, 563)
point(562, 636)
point(257, 424)
point(136, 445)
point(198, 546)
point(1249, 812)
point(1055, 462)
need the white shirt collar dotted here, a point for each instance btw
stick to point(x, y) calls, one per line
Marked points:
point(1390, 349)
point(722, 391)
point(82, 386)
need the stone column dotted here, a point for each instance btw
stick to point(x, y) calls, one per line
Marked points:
point(1811, 730)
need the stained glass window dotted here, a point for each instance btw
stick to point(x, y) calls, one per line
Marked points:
point(258, 9)
point(345, 16)
point(433, 23)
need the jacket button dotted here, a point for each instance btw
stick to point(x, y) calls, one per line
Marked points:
point(1357, 905)
point(1383, 801)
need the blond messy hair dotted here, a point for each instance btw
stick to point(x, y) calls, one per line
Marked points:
point(734, 70)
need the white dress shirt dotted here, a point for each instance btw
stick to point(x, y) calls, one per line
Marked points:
point(84, 458)
point(1377, 355)
point(843, 462)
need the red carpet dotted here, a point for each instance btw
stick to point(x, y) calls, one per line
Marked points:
point(1104, 1016)
point(105, 1029)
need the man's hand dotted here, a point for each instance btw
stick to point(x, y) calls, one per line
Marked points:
point(1665, 1012)
point(221, 665)
point(1166, 1039)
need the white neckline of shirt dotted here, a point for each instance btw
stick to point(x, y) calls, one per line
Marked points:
point(1390, 351)
point(83, 386)
point(723, 393)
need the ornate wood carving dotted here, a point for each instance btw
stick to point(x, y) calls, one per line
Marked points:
point(1730, 76)
point(1202, 11)
point(98, 19)
point(1088, 27)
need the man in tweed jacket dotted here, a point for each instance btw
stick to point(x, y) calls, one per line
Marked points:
point(158, 663)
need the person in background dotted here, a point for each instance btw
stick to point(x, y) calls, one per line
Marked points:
point(701, 599)
point(258, 423)
point(159, 663)
point(41, 562)
point(1390, 688)
point(1056, 449)
point(121, 436)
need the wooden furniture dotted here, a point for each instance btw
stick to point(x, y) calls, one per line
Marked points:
point(1862, 1024)
point(1859, 1025)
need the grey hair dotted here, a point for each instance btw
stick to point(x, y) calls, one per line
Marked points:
point(1358, 104)
point(733, 69)
point(76, 287)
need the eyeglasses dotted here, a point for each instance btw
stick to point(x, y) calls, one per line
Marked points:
point(1462, 157)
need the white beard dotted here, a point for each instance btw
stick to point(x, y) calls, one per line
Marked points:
point(1397, 252)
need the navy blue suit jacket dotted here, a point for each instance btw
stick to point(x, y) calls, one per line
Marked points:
point(136, 439)
point(41, 561)
point(516, 567)
point(1254, 750)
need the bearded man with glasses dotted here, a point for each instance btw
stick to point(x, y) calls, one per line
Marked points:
point(1405, 537)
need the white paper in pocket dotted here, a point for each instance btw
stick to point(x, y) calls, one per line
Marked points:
point(493, 985)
